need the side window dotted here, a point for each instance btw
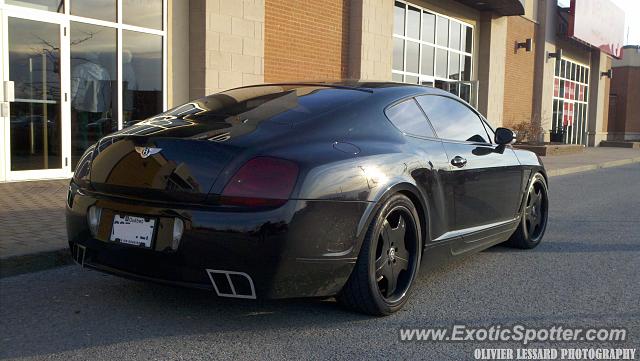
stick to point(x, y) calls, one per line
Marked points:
point(408, 117)
point(487, 127)
point(453, 120)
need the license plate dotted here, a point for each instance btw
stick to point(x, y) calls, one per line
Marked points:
point(137, 231)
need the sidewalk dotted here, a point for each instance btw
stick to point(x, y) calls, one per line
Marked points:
point(590, 159)
point(32, 225)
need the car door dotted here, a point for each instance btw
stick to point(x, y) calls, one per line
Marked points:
point(486, 178)
point(427, 172)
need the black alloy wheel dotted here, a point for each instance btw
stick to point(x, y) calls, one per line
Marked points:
point(395, 254)
point(535, 215)
point(389, 260)
point(535, 212)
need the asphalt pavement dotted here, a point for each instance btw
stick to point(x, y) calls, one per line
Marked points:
point(586, 273)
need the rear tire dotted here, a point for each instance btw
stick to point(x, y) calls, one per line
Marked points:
point(388, 262)
point(535, 213)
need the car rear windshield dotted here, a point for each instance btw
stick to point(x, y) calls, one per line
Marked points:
point(280, 103)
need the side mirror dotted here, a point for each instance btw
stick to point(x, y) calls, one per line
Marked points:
point(505, 136)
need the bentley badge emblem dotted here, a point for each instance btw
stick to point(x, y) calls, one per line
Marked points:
point(147, 151)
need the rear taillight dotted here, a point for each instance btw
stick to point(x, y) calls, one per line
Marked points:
point(262, 181)
point(93, 216)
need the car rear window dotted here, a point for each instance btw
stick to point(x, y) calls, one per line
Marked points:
point(277, 102)
point(452, 119)
point(408, 117)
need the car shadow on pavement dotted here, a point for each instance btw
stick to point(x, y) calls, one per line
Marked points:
point(86, 308)
point(572, 247)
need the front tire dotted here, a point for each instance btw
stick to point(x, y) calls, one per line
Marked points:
point(535, 213)
point(389, 260)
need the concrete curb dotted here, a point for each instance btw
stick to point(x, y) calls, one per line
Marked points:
point(15, 265)
point(588, 167)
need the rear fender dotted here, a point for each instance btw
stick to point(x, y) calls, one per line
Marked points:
point(404, 186)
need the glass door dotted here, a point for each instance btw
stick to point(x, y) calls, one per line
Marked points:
point(36, 124)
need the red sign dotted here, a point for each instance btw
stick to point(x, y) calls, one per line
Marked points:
point(581, 96)
point(599, 23)
point(568, 114)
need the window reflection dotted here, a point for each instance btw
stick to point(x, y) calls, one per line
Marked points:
point(398, 54)
point(413, 57)
point(144, 13)
point(408, 117)
point(441, 63)
point(467, 39)
point(466, 68)
point(454, 66)
point(398, 18)
point(46, 5)
point(443, 31)
point(411, 79)
point(34, 66)
point(428, 27)
point(413, 23)
point(95, 9)
point(93, 85)
point(453, 120)
point(141, 75)
point(427, 60)
point(455, 35)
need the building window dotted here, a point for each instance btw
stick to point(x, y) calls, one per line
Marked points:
point(141, 75)
point(95, 9)
point(432, 49)
point(116, 74)
point(46, 5)
point(94, 87)
point(570, 102)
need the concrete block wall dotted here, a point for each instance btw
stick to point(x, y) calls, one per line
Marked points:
point(491, 73)
point(226, 44)
point(372, 44)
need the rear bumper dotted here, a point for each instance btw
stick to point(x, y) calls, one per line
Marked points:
point(302, 249)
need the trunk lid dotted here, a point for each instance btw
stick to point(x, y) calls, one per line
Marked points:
point(171, 169)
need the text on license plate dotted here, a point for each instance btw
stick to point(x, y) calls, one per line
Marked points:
point(137, 231)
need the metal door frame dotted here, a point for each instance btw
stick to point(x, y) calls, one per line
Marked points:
point(6, 174)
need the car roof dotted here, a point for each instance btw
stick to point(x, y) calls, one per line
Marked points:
point(369, 86)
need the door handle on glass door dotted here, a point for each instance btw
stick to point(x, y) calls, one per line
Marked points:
point(458, 161)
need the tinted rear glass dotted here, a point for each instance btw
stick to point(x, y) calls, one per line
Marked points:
point(246, 108)
point(278, 103)
point(408, 117)
point(452, 119)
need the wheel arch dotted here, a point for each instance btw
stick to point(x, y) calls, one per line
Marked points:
point(407, 189)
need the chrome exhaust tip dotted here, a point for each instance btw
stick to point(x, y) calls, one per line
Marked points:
point(78, 253)
point(232, 284)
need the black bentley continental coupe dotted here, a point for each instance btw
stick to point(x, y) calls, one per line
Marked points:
point(304, 190)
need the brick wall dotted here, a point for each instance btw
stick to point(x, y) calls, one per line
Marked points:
point(519, 73)
point(624, 85)
point(306, 40)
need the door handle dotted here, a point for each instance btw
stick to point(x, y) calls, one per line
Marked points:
point(8, 92)
point(458, 161)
